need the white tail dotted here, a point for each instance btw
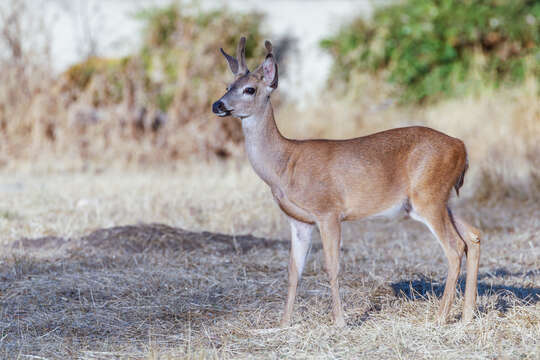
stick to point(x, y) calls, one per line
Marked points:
point(325, 182)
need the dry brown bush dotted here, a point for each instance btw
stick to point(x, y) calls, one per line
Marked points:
point(150, 107)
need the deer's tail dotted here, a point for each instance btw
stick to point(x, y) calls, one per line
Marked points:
point(461, 178)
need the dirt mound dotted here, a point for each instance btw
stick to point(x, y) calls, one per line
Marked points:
point(159, 237)
point(148, 238)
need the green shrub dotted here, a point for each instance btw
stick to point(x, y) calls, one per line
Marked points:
point(180, 53)
point(181, 49)
point(79, 77)
point(437, 48)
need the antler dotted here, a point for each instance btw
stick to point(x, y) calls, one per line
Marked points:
point(241, 56)
point(233, 63)
point(238, 64)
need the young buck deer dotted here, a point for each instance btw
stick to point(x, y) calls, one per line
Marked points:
point(325, 182)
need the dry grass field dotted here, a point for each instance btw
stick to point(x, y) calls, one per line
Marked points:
point(101, 266)
point(189, 260)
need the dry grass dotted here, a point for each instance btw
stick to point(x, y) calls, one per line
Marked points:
point(158, 291)
point(70, 204)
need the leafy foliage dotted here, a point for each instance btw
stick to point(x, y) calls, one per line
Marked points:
point(79, 77)
point(436, 48)
point(181, 48)
point(176, 47)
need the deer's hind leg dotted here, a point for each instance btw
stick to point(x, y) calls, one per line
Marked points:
point(471, 236)
point(434, 213)
point(330, 229)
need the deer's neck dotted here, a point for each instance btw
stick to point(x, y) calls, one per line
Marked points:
point(266, 148)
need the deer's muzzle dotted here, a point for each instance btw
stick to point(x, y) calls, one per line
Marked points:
point(220, 109)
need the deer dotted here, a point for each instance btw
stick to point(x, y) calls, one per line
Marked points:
point(318, 182)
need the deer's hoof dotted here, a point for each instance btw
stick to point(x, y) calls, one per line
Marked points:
point(284, 323)
point(467, 317)
point(340, 322)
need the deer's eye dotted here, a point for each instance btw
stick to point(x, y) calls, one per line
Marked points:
point(249, 91)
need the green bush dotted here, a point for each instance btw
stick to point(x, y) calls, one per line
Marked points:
point(437, 48)
point(79, 76)
point(180, 54)
point(181, 49)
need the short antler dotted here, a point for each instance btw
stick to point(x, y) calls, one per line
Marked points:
point(241, 56)
point(238, 64)
point(233, 63)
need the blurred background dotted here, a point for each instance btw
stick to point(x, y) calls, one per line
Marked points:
point(104, 87)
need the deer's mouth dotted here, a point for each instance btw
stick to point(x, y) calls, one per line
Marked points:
point(220, 109)
point(224, 113)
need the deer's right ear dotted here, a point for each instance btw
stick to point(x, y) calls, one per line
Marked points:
point(233, 63)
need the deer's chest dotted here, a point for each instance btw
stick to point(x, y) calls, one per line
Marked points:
point(292, 209)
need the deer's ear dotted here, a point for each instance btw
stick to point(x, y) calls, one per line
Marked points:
point(233, 63)
point(270, 71)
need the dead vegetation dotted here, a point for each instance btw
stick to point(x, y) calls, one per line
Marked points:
point(149, 107)
point(76, 283)
point(152, 291)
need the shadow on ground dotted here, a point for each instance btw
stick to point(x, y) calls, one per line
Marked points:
point(424, 287)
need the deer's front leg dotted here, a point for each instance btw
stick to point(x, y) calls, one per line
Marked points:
point(331, 238)
point(300, 244)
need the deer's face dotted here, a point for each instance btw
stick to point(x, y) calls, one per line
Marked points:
point(242, 97)
point(250, 89)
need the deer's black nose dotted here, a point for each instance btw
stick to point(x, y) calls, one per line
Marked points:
point(218, 107)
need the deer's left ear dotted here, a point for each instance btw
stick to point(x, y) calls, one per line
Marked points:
point(270, 71)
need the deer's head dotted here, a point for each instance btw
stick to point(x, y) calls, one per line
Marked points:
point(249, 90)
